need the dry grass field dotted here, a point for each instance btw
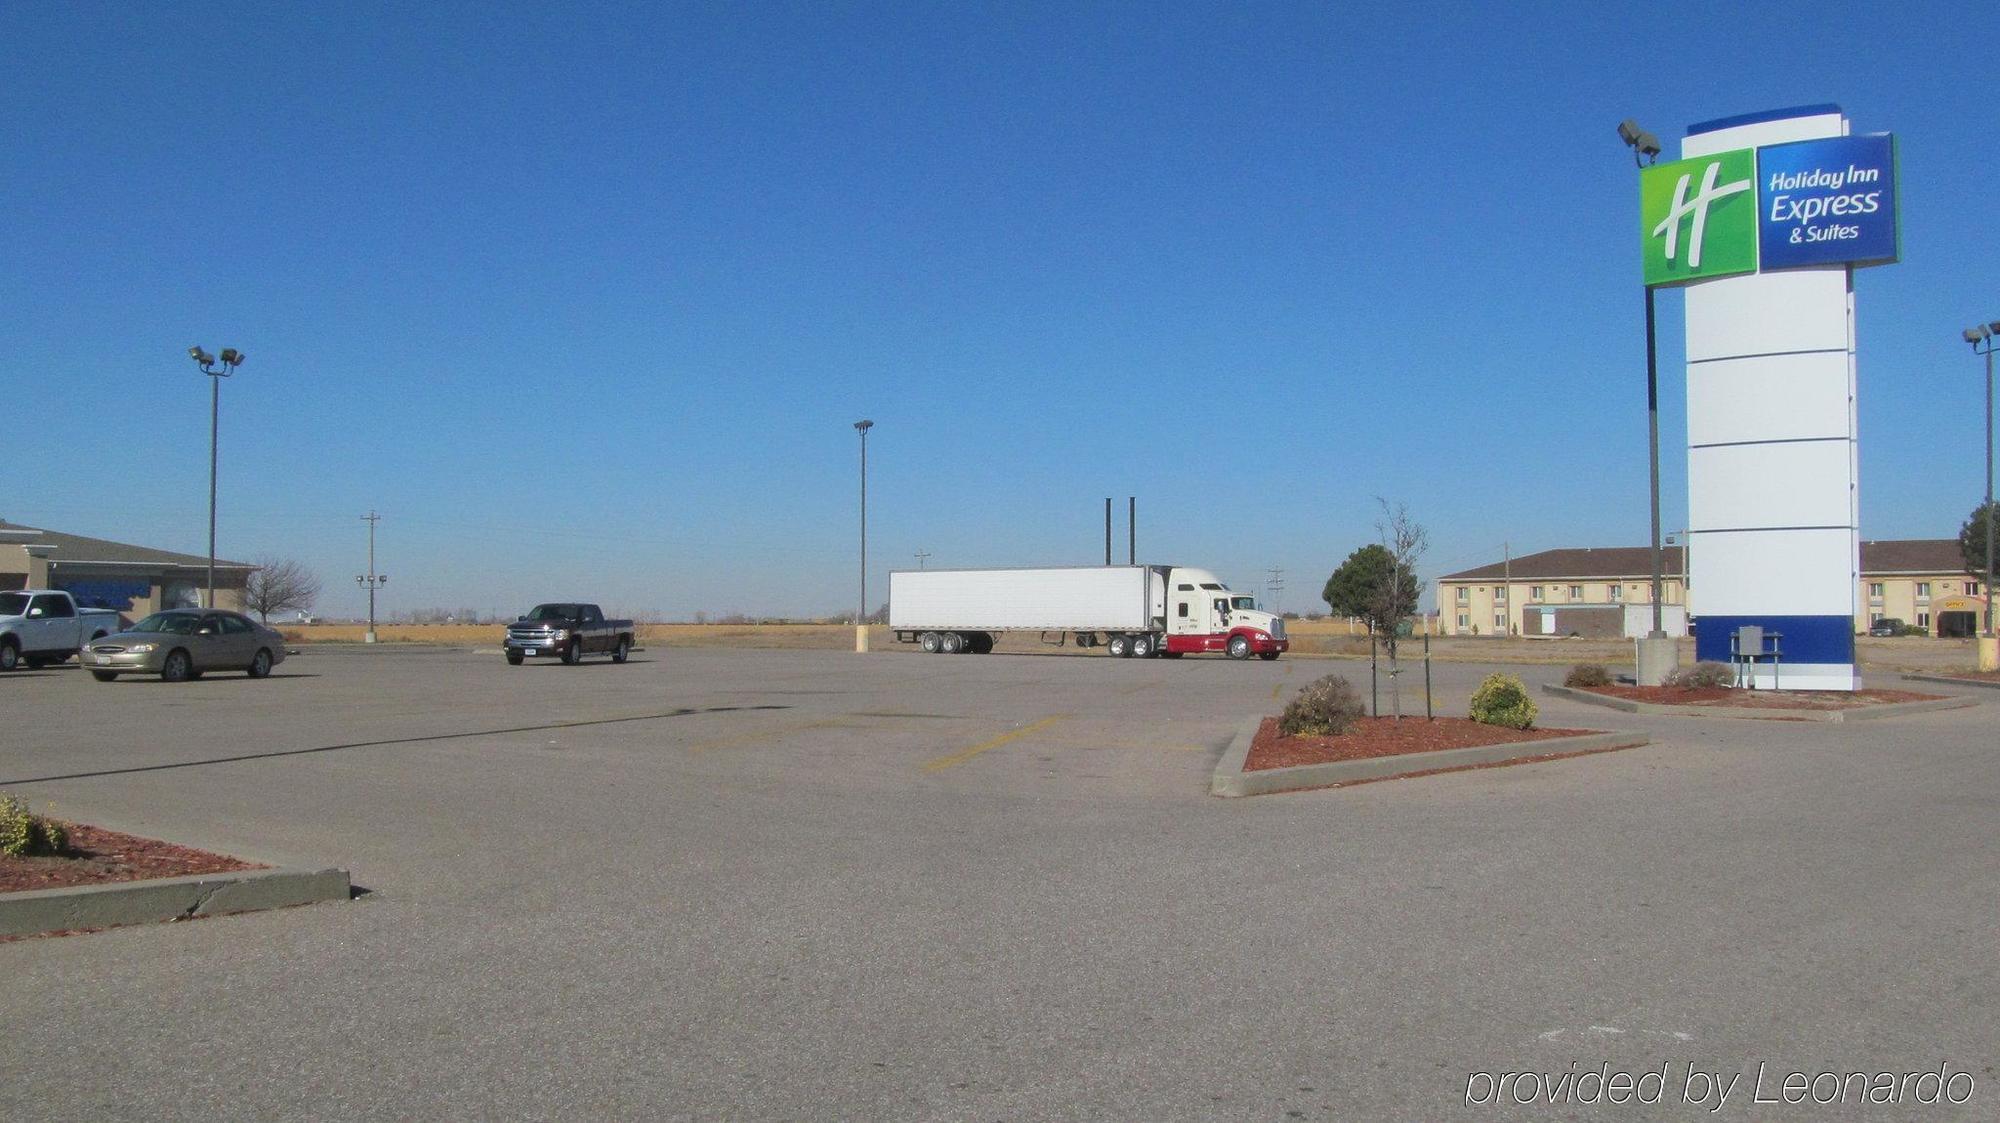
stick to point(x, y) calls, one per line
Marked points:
point(1327, 639)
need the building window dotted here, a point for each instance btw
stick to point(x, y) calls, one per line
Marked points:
point(1875, 589)
point(1463, 619)
point(1923, 588)
point(1617, 592)
point(1923, 619)
point(1464, 595)
point(1500, 593)
point(1576, 592)
point(1499, 621)
point(1535, 592)
point(1972, 588)
point(1874, 618)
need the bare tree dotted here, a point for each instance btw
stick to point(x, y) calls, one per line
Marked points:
point(1396, 599)
point(279, 585)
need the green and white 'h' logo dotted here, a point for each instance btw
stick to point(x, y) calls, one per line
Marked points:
point(1719, 217)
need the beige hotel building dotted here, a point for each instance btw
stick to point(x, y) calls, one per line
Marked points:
point(1921, 582)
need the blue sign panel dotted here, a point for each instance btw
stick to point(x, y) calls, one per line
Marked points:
point(1827, 202)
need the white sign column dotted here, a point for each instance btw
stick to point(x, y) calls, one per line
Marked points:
point(1773, 485)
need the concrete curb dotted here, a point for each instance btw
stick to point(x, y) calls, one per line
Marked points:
point(1231, 780)
point(1863, 713)
point(1989, 684)
point(117, 903)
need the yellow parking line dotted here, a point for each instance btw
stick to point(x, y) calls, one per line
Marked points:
point(1013, 735)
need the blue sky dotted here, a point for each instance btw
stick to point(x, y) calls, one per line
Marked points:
point(583, 299)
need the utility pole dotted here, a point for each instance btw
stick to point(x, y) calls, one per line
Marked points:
point(1276, 583)
point(1107, 530)
point(371, 580)
point(1132, 530)
point(921, 555)
point(861, 612)
point(1507, 572)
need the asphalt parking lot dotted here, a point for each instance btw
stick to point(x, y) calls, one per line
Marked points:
point(811, 884)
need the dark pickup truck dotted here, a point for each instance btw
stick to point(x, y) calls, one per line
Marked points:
point(567, 631)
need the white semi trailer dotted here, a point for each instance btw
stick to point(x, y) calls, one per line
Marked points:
point(1131, 610)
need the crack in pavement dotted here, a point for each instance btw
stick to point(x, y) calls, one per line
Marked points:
point(278, 753)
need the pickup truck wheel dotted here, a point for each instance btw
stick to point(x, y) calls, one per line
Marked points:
point(10, 655)
point(177, 668)
point(623, 649)
point(929, 642)
point(1239, 647)
point(105, 676)
point(573, 654)
point(260, 664)
point(1120, 646)
point(514, 659)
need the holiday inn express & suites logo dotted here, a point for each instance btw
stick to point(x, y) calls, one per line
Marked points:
point(1698, 218)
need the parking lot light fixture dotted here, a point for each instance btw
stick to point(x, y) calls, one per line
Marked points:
point(861, 614)
point(231, 359)
point(1983, 338)
point(1645, 150)
point(371, 580)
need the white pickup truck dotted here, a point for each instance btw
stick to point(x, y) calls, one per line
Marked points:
point(44, 626)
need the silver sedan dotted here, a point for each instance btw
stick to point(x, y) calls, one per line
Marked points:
point(186, 643)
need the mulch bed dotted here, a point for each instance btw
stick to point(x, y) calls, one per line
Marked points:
point(1384, 736)
point(96, 856)
point(1761, 699)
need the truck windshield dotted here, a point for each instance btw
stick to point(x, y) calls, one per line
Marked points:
point(1243, 603)
point(13, 604)
point(553, 612)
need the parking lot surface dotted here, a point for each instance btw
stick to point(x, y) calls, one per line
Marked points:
point(770, 884)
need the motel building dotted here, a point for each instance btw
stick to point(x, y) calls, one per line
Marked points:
point(135, 580)
point(1607, 592)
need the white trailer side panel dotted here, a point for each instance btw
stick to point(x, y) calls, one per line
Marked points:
point(1094, 598)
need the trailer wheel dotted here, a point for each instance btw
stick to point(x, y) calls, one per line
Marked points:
point(982, 643)
point(1120, 646)
point(929, 642)
point(1142, 647)
point(951, 643)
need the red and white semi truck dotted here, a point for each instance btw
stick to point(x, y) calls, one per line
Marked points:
point(1131, 610)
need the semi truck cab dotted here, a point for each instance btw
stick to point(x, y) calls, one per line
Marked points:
point(1202, 615)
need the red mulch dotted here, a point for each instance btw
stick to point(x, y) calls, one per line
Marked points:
point(1384, 736)
point(96, 855)
point(1762, 699)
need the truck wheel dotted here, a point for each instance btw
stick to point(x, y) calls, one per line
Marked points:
point(982, 643)
point(623, 649)
point(1142, 647)
point(1239, 647)
point(177, 668)
point(515, 658)
point(951, 643)
point(1120, 646)
point(105, 676)
point(573, 653)
point(10, 655)
point(929, 642)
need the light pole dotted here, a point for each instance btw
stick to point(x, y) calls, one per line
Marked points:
point(1983, 339)
point(861, 617)
point(1652, 670)
point(231, 359)
point(371, 580)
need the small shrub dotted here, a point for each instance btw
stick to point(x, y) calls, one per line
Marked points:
point(1325, 708)
point(1915, 630)
point(24, 835)
point(1702, 675)
point(1587, 674)
point(1502, 700)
